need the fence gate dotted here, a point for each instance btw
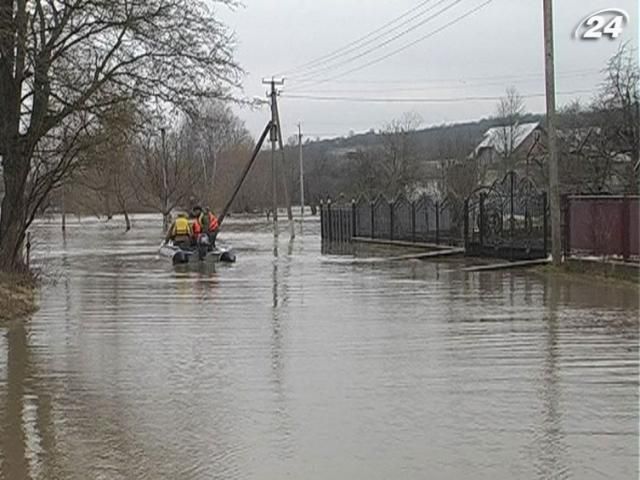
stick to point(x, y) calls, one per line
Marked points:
point(507, 220)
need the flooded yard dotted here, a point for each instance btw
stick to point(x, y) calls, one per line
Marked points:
point(294, 364)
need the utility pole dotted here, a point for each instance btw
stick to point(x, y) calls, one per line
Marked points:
point(64, 208)
point(285, 189)
point(301, 172)
point(554, 180)
point(165, 181)
point(273, 95)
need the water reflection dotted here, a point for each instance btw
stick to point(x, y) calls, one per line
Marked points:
point(549, 441)
point(14, 464)
point(283, 365)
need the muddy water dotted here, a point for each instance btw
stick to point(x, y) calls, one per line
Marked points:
point(291, 364)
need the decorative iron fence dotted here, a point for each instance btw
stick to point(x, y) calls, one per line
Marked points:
point(421, 221)
point(507, 220)
point(602, 225)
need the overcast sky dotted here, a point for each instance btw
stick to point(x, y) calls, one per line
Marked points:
point(499, 45)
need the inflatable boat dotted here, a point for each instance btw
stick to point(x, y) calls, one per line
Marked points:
point(199, 253)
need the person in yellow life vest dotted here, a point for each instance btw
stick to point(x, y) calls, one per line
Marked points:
point(180, 232)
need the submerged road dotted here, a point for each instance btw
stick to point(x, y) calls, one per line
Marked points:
point(291, 364)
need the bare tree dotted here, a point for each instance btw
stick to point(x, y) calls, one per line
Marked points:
point(105, 170)
point(182, 174)
point(400, 156)
point(215, 132)
point(599, 142)
point(509, 112)
point(365, 172)
point(63, 63)
point(618, 111)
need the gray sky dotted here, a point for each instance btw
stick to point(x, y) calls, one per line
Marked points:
point(479, 56)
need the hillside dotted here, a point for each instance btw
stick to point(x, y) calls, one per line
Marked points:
point(435, 142)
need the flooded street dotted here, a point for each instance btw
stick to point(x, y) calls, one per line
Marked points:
point(293, 364)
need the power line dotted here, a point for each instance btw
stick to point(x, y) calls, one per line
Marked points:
point(466, 79)
point(404, 47)
point(358, 41)
point(464, 85)
point(418, 100)
point(318, 69)
point(313, 75)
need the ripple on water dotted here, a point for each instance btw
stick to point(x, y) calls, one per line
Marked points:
point(303, 366)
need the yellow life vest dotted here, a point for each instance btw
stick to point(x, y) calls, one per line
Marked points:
point(181, 227)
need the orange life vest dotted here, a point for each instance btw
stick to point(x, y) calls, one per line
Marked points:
point(197, 227)
point(213, 222)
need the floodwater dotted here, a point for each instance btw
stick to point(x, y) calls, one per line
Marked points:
point(291, 364)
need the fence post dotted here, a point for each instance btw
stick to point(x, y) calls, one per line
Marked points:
point(373, 219)
point(323, 233)
point(437, 223)
point(329, 225)
point(625, 218)
point(346, 224)
point(545, 225)
point(413, 221)
point(466, 223)
point(481, 233)
point(512, 220)
point(426, 219)
point(391, 213)
point(567, 226)
point(354, 219)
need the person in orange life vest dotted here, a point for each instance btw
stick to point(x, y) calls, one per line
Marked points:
point(197, 222)
point(205, 223)
point(212, 226)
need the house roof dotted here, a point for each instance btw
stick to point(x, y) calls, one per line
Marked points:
point(495, 137)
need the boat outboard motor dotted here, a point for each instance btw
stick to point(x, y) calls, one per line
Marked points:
point(228, 257)
point(203, 246)
point(180, 257)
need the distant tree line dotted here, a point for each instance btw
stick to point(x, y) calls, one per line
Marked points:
point(71, 70)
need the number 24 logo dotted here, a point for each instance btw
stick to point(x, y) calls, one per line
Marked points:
point(609, 22)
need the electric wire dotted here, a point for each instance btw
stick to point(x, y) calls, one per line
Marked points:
point(315, 74)
point(402, 48)
point(342, 50)
point(418, 99)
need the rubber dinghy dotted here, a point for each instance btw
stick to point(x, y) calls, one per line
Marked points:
point(180, 256)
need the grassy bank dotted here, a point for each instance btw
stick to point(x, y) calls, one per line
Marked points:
point(600, 271)
point(17, 296)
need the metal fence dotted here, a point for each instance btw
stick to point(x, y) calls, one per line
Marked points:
point(602, 226)
point(507, 220)
point(420, 221)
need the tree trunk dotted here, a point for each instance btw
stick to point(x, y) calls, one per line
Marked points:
point(13, 215)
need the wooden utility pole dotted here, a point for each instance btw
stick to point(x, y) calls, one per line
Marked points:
point(285, 189)
point(64, 208)
point(301, 172)
point(273, 95)
point(554, 180)
point(244, 173)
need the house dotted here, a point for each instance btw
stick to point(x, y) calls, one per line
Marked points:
point(586, 164)
point(506, 148)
